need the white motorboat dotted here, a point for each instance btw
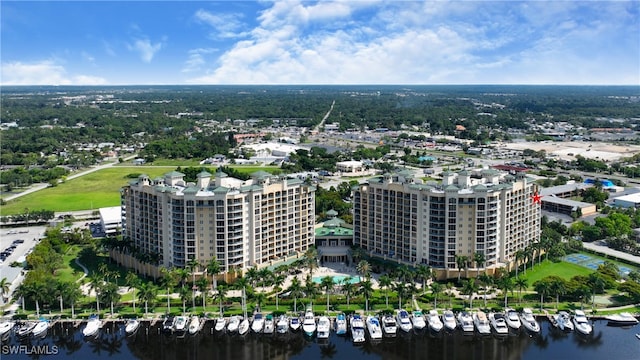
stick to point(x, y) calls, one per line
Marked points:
point(234, 324)
point(181, 324)
point(622, 319)
point(449, 320)
point(258, 323)
point(93, 326)
point(389, 325)
point(25, 329)
point(403, 321)
point(357, 329)
point(563, 321)
point(243, 328)
point(5, 327)
point(433, 318)
point(269, 324)
point(418, 320)
point(481, 323)
point(513, 319)
point(499, 323)
point(131, 327)
point(374, 328)
point(581, 322)
point(340, 324)
point(309, 323)
point(41, 327)
point(465, 321)
point(282, 326)
point(294, 323)
point(168, 324)
point(194, 325)
point(221, 324)
point(324, 327)
point(529, 321)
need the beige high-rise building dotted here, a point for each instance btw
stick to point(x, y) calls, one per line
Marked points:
point(257, 222)
point(399, 218)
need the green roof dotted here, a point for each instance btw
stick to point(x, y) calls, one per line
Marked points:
point(333, 231)
point(204, 174)
point(174, 174)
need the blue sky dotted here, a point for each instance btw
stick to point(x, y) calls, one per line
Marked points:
point(320, 42)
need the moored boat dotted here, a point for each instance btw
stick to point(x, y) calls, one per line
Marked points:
point(221, 324)
point(433, 318)
point(6, 326)
point(294, 323)
point(374, 328)
point(282, 326)
point(562, 321)
point(93, 326)
point(481, 323)
point(357, 329)
point(340, 324)
point(131, 326)
point(309, 323)
point(513, 319)
point(41, 327)
point(529, 321)
point(324, 327)
point(622, 319)
point(499, 323)
point(581, 323)
point(181, 325)
point(194, 325)
point(243, 328)
point(258, 323)
point(168, 324)
point(465, 321)
point(403, 320)
point(389, 325)
point(25, 329)
point(449, 320)
point(269, 324)
point(417, 318)
point(234, 323)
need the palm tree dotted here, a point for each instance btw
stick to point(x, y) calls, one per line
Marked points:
point(252, 275)
point(168, 281)
point(348, 288)
point(213, 269)
point(148, 292)
point(221, 292)
point(364, 269)
point(400, 289)
point(95, 284)
point(133, 282)
point(505, 284)
point(528, 251)
point(366, 289)
point(584, 293)
point(296, 290)
point(479, 259)
point(596, 282)
point(486, 281)
point(450, 288)
point(4, 288)
point(109, 294)
point(192, 265)
point(327, 284)
point(461, 262)
point(436, 289)
point(469, 287)
point(71, 295)
point(520, 255)
point(184, 295)
point(543, 288)
point(278, 280)
point(311, 259)
point(202, 284)
point(521, 284)
point(310, 289)
point(558, 287)
point(385, 283)
point(423, 273)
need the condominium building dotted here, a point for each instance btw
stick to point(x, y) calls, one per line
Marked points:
point(257, 222)
point(399, 218)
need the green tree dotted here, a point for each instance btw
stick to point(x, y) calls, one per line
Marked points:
point(168, 282)
point(4, 288)
point(469, 287)
point(327, 284)
point(423, 273)
point(221, 292)
point(202, 284)
point(461, 262)
point(505, 284)
point(147, 292)
point(436, 289)
point(366, 289)
point(364, 268)
point(213, 269)
point(311, 259)
point(521, 284)
point(479, 259)
point(385, 283)
point(543, 288)
point(133, 282)
point(296, 290)
point(348, 288)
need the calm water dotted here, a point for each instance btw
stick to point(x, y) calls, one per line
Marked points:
point(65, 342)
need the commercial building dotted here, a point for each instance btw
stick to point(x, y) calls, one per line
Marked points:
point(257, 222)
point(334, 238)
point(398, 218)
point(110, 220)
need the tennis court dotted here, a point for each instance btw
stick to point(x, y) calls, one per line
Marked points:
point(592, 262)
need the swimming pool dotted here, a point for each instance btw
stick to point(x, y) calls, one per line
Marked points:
point(338, 279)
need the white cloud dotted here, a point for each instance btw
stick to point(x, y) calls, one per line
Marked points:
point(145, 48)
point(44, 72)
point(196, 59)
point(225, 25)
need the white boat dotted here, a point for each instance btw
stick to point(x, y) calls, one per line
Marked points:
point(417, 318)
point(181, 324)
point(132, 326)
point(563, 321)
point(340, 324)
point(168, 324)
point(481, 323)
point(449, 320)
point(269, 324)
point(221, 324)
point(513, 319)
point(93, 326)
point(309, 323)
point(403, 320)
point(389, 325)
point(258, 323)
point(6, 326)
point(194, 325)
point(294, 323)
point(433, 318)
point(357, 329)
point(234, 324)
point(243, 328)
point(324, 327)
point(25, 329)
point(465, 321)
point(499, 323)
point(282, 326)
point(374, 328)
point(529, 321)
point(581, 322)
point(41, 327)
point(622, 319)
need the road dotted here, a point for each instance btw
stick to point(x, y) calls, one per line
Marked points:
point(608, 251)
point(326, 116)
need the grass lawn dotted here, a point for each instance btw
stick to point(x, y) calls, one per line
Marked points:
point(562, 269)
point(95, 190)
